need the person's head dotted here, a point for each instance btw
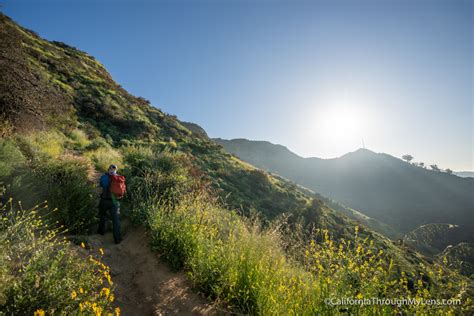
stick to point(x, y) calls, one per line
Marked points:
point(112, 169)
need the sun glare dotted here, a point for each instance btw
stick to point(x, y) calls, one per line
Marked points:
point(338, 124)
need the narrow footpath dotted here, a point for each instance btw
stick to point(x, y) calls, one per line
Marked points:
point(144, 284)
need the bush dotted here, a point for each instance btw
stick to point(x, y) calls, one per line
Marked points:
point(103, 157)
point(153, 179)
point(31, 175)
point(79, 139)
point(138, 159)
point(97, 143)
point(49, 144)
point(41, 272)
point(10, 158)
point(16, 171)
point(68, 189)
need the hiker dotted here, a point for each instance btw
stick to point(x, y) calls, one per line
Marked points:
point(113, 189)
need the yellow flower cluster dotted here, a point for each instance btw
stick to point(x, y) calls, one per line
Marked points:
point(97, 304)
point(104, 270)
point(29, 240)
point(360, 270)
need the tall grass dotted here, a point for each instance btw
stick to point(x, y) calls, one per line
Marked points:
point(69, 190)
point(46, 144)
point(78, 139)
point(32, 174)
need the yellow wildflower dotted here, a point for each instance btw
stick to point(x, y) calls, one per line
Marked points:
point(81, 290)
point(117, 311)
point(101, 251)
point(105, 291)
point(73, 295)
point(109, 280)
point(83, 245)
point(97, 310)
point(39, 312)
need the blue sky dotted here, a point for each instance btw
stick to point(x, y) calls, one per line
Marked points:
point(316, 76)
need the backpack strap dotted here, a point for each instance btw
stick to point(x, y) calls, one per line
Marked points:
point(106, 191)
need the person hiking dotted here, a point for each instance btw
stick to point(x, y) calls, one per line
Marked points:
point(113, 189)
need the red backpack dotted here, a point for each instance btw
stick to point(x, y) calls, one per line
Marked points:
point(117, 185)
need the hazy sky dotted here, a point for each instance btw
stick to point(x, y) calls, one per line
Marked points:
point(316, 76)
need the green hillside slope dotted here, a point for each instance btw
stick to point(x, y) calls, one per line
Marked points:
point(75, 95)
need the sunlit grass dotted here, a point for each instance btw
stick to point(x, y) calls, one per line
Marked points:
point(103, 157)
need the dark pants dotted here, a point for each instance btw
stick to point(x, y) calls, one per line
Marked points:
point(113, 209)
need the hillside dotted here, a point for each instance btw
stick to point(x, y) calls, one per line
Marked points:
point(49, 85)
point(460, 257)
point(254, 242)
point(432, 239)
point(379, 185)
point(82, 98)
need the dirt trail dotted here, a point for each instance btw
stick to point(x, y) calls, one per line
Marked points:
point(144, 284)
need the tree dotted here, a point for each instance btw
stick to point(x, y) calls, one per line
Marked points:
point(435, 168)
point(407, 158)
point(449, 171)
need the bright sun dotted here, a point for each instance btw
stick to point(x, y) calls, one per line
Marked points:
point(339, 124)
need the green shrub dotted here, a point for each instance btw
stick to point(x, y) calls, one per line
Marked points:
point(16, 174)
point(49, 143)
point(41, 272)
point(10, 158)
point(68, 189)
point(30, 174)
point(138, 159)
point(97, 143)
point(103, 157)
point(154, 179)
point(79, 139)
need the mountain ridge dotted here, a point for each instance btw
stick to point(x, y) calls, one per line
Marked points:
point(365, 168)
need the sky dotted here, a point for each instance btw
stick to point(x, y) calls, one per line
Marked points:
point(321, 77)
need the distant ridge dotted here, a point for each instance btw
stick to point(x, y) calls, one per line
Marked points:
point(465, 174)
point(377, 184)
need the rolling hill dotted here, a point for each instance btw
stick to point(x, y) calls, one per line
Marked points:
point(381, 186)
